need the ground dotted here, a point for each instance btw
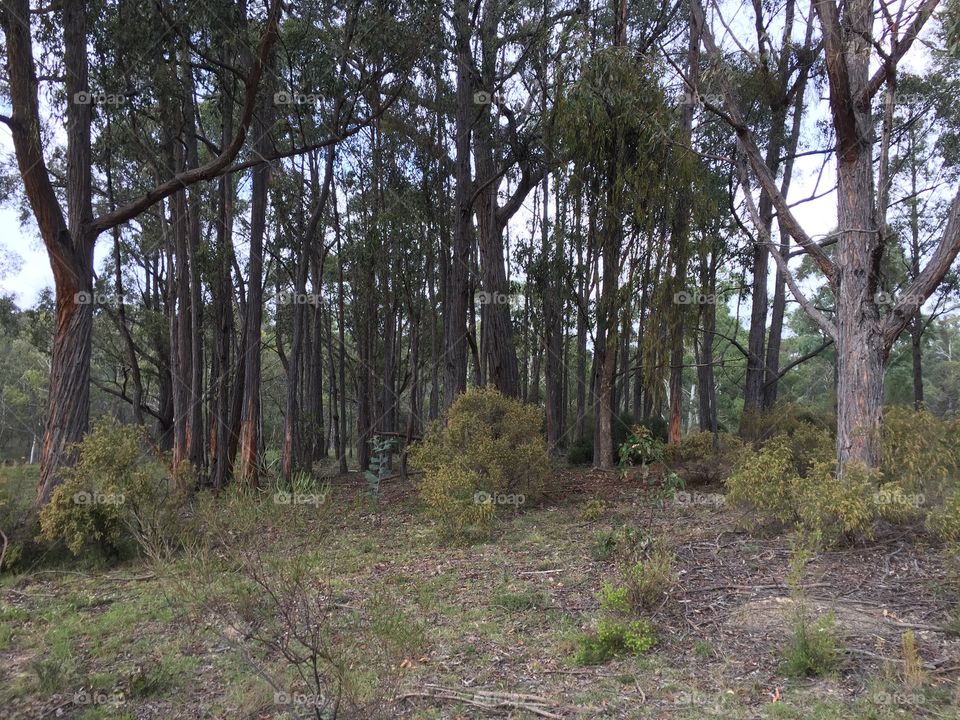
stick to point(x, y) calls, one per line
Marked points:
point(497, 623)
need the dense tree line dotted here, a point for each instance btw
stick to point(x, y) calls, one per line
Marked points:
point(279, 232)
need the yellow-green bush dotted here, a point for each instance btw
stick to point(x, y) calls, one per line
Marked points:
point(113, 490)
point(920, 452)
point(792, 480)
point(944, 522)
point(490, 457)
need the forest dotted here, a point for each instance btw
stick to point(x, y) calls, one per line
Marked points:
point(480, 358)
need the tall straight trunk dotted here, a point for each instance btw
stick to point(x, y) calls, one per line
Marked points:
point(248, 464)
point(706, 384)
point(457, 280)
point(679, 241)
point(553, 321)
point(861, 348)
point(339, 383)
point(69, 240)
point(292, 455)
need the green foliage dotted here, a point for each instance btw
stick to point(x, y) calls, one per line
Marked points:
point(379, 464)
point(784, 419)
point(614, 599)
point(603, 545)
point(813, 648)
point(701, 458)
point(581, 451)
point(593, 510)
point(945, 522)
point(792, 481)
point(488, 458)
point(640, 448)
point(920, 453)
point(115, 491)
point(646, 571)
point(613, 638)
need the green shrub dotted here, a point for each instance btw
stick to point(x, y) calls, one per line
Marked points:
point(791, 480)
point(488, 458)
point(945, 522)
point(783, 419)
point(640, 448)
point(593, 510)
point(614, 599)
point(114, 492)
point(648, 576)
point(613, 638)
point(919, 451)
point(813, 649)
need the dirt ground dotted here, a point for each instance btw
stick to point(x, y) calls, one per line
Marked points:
point(501, 620)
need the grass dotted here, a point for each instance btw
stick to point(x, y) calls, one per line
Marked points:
point(505, 614)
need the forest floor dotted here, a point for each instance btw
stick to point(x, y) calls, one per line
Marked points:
point(498, 622)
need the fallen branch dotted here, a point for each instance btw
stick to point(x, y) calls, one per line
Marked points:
point(488, 700)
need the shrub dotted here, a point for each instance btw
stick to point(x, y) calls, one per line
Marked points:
point(698, 460)
point(115, 491)
point(640, 448)
point(792, 481)
point(945, 522)
point(920, 452)
point(783, 419)
point(813, 648)
point(613, 638)
point(489, 457)
point(648, 575)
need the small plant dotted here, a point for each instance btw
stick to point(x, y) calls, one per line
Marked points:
point(613, 638)
point(913, 675)
point(593, 510)
point(648, 576)
point(603, 546)
point(614, 599)
point(640, 448)
point(813, 648)
point(381, 450)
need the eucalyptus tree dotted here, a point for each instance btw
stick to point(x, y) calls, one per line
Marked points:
point(863, 334)
point(66, 220)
